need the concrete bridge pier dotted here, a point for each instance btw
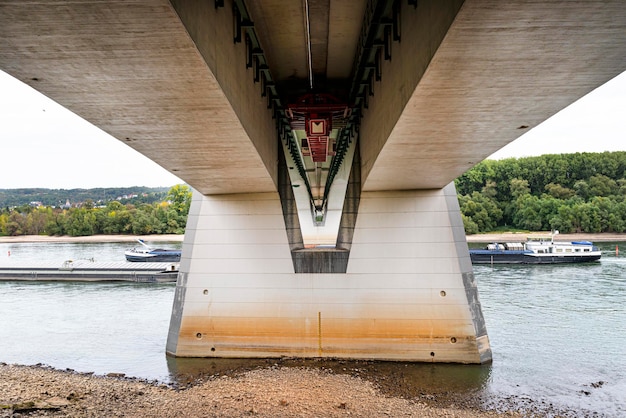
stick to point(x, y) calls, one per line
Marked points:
point(408, 293)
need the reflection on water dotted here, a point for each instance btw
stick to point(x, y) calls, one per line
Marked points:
point(411, 380)
point(88, 327)
point(557, 333)
point(558, 336)
point(431, 383)
point(57, 253)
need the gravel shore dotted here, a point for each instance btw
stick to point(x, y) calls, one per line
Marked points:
point(39, 391)
point(521, 236)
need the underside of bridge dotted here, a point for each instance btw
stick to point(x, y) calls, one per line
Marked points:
point(322, 138)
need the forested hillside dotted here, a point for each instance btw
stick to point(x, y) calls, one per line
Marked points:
point(131, 215)
point(582, 192)
point(58, 197)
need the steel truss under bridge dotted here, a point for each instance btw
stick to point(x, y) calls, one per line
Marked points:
point(327, 124)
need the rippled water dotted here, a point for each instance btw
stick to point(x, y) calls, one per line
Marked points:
point(558, 333)
point(57, 253)
point(99, 327)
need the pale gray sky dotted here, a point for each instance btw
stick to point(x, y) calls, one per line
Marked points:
point(594, 123)
point(45, 145)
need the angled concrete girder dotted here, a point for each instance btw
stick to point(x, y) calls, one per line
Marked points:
point(502, 68)
point(447, 99)
point(131, 68)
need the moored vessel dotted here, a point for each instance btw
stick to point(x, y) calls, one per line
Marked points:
point(536, 250)
point(149, 254)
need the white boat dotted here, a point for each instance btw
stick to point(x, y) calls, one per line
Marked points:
point(148, 254)
point(537, 250)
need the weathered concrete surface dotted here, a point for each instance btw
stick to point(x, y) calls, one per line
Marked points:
point(335, 28)
point(408, 292)
point(211, 29)
point(501, 69)
point(467, 78)
point(131, 68)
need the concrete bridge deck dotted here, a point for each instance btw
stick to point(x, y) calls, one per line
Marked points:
point(209, 91)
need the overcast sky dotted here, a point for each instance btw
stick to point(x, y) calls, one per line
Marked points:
point(594, 123)
point(44, 145)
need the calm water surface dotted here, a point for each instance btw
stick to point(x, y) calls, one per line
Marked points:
point(558, 333)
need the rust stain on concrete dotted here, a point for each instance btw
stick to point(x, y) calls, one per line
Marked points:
point(443, 341)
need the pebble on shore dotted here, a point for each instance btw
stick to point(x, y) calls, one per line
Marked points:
point(37, 391)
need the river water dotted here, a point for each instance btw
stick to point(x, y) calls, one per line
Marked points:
point(558, 333)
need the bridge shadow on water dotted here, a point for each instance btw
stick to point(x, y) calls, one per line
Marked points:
point(430, 383)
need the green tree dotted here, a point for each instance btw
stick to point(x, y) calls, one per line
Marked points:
point(469, 225)
point(589, 217)
point(144, 223)
point(582, 189)
point(490, 190)
point(601, 185)
point(80, 222)
point(475, 178)
point(115, 218)
point(548, 208)
point(4, 219)
point(179, 200)
point(559, 192)
point(519, 187)
point(481, 210)
point(564, 220)
point(110, 219)
point(528, 213)
point(55, 224)
point(16, 224)
point(124, 221)
point(37, 220)
point(560, 184)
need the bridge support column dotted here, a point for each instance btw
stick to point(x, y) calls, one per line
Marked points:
point(409, 292)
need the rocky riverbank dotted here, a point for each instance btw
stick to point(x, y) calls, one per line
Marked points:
point(39, 391)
